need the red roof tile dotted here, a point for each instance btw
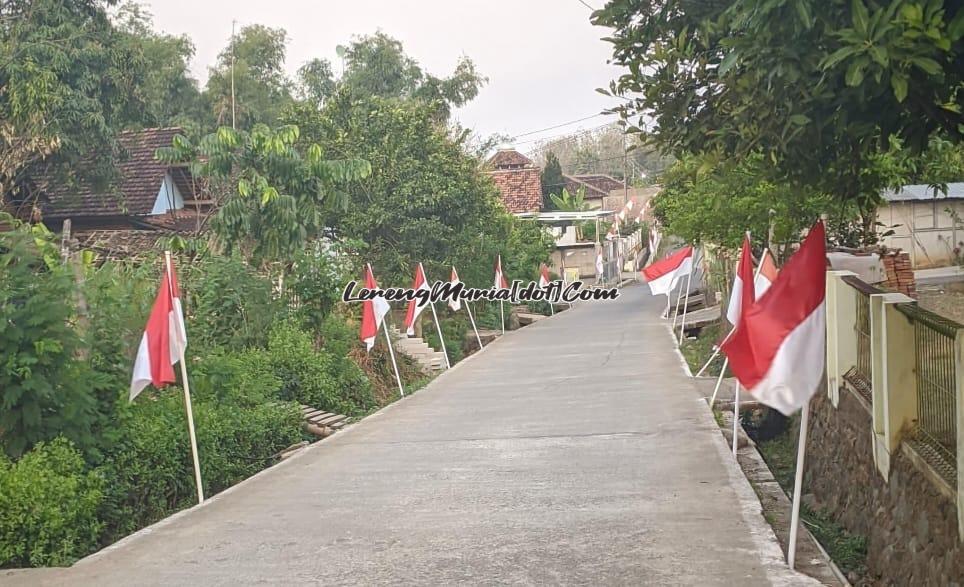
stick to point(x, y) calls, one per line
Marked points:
point(508, 159)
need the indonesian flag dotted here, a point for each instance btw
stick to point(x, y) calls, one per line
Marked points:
point(743, 293)
point(499, 282)
point(766, 275)
point(662, 274)
point(599, 263)
point(373, 311)
point(777, 350)
point(411, 315)
point(543, 276)
point(164, 339)
point(456, 303)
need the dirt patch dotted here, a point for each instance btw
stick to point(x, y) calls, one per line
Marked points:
point(946, 300)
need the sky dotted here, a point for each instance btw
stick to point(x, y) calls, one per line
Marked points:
point(543, 58)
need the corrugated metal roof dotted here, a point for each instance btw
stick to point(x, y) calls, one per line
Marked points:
point(955, 191)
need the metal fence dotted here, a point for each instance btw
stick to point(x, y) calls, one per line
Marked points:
point(861, 375)
point(934, 338)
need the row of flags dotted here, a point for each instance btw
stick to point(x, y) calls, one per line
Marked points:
point(776, 348)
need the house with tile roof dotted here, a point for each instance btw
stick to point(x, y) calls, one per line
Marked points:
point(149, 199)
point(925, 221)
point(518, 179)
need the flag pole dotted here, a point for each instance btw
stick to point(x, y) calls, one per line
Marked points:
point(391, 353)
point(716, 352)
point(798, 485)
point(685, 305)
point(736, 412)
point(502, 313)
point(719, 381)
point(187, 399)
point(438, 326)
point(679, 296)
point(472, 320)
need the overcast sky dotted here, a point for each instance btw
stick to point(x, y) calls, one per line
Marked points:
point(543, 58)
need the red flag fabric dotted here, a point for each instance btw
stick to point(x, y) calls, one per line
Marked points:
point(413, 311)
point(499, 282)
point(766, 275)
point(373, 312)
point(743, 293)
point(777, 350)
point(662, 274)
point(164, 338)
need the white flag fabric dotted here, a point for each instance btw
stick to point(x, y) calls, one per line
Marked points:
point(373, 311)
point(414, 310)
point(743, 268)
point(766, 275)
point(164, 339)
point(455, 303)
point(663, 275)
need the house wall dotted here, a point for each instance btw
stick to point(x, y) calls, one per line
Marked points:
point(926, 230)
point(582, 257)
point(168, 197)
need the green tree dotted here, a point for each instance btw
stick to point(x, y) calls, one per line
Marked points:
point(316, 81)
point(261, 88)
point(552, 180)
point(817, 87)
point(68, 81)
point(376, 65)
point(278, 194)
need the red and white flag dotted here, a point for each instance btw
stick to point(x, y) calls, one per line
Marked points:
point(777, 351)
point(663, 274)
point(743, 293)
point(499, 282)
point(411, 315)
point(164, 339)
point(766, 275)
point(455, 303)
point(373, 311)
point(544, 276)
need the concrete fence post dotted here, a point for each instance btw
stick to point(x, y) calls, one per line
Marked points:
point(841, 336)
point(894, 376)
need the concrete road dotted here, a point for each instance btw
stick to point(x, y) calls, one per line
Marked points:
point(573, 451)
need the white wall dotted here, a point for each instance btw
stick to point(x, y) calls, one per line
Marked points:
point(926, 230)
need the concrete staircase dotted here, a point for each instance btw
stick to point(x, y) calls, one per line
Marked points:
point(430, 359)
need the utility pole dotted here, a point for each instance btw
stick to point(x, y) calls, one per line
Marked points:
point(234, 122)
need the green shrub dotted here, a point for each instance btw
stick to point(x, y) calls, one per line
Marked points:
point(454, 329)
point(150, 473)
point(243, 379)
point(48, 507)
point(320, 379)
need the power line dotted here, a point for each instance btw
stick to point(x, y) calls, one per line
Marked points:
point(532, 132)
point(586, 5)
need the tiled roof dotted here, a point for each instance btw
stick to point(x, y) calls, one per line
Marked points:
point(139, 179)
point(508, 159)
point(521, 189)
point(596, 185)
point(955, 191)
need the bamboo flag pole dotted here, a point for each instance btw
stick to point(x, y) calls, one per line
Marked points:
point(736, 414)
point(502, 313)
point(474, 327)
point(686, 304)
point(391, 353)
point(187, 396)
point(679, 296)
point(798, 485)
point(438, 325)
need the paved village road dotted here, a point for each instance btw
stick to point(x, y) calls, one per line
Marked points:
point(573, 451)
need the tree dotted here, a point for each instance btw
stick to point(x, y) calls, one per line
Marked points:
point(68, 83)
point(817, 87)
point(316, 81)
point(261, 88)
point(552, 180)
point(376, 65)
point(277, 195)
point(169, 94)
point(426, 199)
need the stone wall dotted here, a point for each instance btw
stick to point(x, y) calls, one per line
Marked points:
point(910, 526)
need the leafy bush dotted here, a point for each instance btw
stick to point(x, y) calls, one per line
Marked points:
point(48, 507)
point(44, 389)
point(453, 329)
point(320, 379)
point(150, 473)
point(242, 379)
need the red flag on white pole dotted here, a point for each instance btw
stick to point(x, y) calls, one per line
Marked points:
point(778, 348)
point(455, 303)
point(743, 293)
point(164, 338)
point(373, 311)
point(663, 274)
point(766, 274)
point(413, 311)
point(499, 282)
